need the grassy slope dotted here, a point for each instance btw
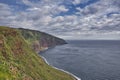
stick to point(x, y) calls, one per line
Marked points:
point(19, 62)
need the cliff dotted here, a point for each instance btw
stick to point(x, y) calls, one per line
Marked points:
point(40, 40)
point(19, 61)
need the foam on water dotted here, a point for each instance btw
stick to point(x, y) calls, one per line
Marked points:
point(61, 69)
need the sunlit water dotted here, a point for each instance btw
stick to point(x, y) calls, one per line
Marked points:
point(89, 60)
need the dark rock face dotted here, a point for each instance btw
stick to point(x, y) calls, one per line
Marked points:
point(49, 41)
point(40, 40)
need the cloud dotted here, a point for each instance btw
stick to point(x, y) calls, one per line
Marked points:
point(78, 2)
point(75, 2)
point(46, 15)
point(62, 8)
point(5, 10)
point(28, 3)
point(5, 14)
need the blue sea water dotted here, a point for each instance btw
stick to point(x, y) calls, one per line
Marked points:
point(87, 59)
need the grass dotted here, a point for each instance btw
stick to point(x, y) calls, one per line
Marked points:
point(18, 61)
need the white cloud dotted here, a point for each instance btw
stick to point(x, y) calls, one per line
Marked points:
point(44, 15)
point(62, 8)
point(75, 2)
point(28, 3)
point(33, 9)
point(4, 10)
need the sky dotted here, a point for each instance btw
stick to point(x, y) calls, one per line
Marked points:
point(67, 19)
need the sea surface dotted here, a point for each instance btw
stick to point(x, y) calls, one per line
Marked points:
point(87, 59)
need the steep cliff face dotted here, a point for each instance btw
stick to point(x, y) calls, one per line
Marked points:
point(40, 40)
point(19, 62)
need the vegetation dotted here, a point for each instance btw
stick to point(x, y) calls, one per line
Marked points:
point(40, 40)
point(19, 62)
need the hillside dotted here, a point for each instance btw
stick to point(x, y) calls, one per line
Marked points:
point(40, 40)
point(19, 61)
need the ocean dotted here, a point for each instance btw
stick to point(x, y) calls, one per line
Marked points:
point(87, 59)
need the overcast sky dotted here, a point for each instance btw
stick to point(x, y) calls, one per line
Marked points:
point(68, 19)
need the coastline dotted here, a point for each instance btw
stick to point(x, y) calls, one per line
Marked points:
point(76, 78)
